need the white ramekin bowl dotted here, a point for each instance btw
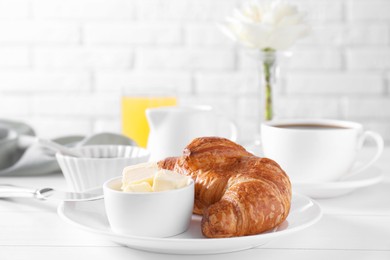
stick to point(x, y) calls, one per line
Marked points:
point(148, 214)
point(101, 162)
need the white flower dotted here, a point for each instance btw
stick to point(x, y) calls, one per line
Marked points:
point(272, 25)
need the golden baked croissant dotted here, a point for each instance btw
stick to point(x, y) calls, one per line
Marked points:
point(238, 193)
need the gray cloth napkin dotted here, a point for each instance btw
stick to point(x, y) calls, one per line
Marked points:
point(38, 160)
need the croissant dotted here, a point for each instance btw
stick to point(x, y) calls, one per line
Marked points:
point(237, 193)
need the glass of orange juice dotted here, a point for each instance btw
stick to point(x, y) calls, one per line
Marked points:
point(134, 122)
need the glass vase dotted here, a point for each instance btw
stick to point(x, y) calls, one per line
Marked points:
point(268, 87)
point(267, 81)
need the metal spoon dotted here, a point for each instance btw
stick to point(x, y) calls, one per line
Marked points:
point(13, 191)
point(26, 140)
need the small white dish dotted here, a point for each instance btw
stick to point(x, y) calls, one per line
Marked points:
point(333, 189)
point(101, 162)
point(91, 217)
point(157, 214)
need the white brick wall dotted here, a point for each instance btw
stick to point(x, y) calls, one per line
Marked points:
point(335, 83)
point(127, 33)
point(179, 83)
point(14, 57)
point(212, 59)
point(80, 58)
point(367, 59)
point(63, 64)
point(84, 9)
point(369, 10)
point(35, 32)
point(38, 81)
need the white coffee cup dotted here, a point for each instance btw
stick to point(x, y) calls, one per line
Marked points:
point(317, 150)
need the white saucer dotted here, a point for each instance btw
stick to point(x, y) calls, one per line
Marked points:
point(91, 216)
point(365, 178)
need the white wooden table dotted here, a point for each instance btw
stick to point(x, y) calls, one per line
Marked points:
point(355, 226)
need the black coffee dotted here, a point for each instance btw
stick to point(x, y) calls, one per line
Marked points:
point(311, 126)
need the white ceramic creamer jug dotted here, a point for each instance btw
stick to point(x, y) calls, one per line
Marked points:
point(172, 128)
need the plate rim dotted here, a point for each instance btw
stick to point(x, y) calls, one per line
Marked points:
point(371, 179)
point(242, 239)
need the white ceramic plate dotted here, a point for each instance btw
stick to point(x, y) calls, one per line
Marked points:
point(91, 216)
point(325, 190)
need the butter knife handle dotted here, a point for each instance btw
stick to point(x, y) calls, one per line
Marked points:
point(13, 191)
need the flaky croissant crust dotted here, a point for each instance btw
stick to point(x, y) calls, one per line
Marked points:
point(237, 193)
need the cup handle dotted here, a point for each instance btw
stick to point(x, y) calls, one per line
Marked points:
point(232, 127)
point(233, 131)
point(379, 143)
